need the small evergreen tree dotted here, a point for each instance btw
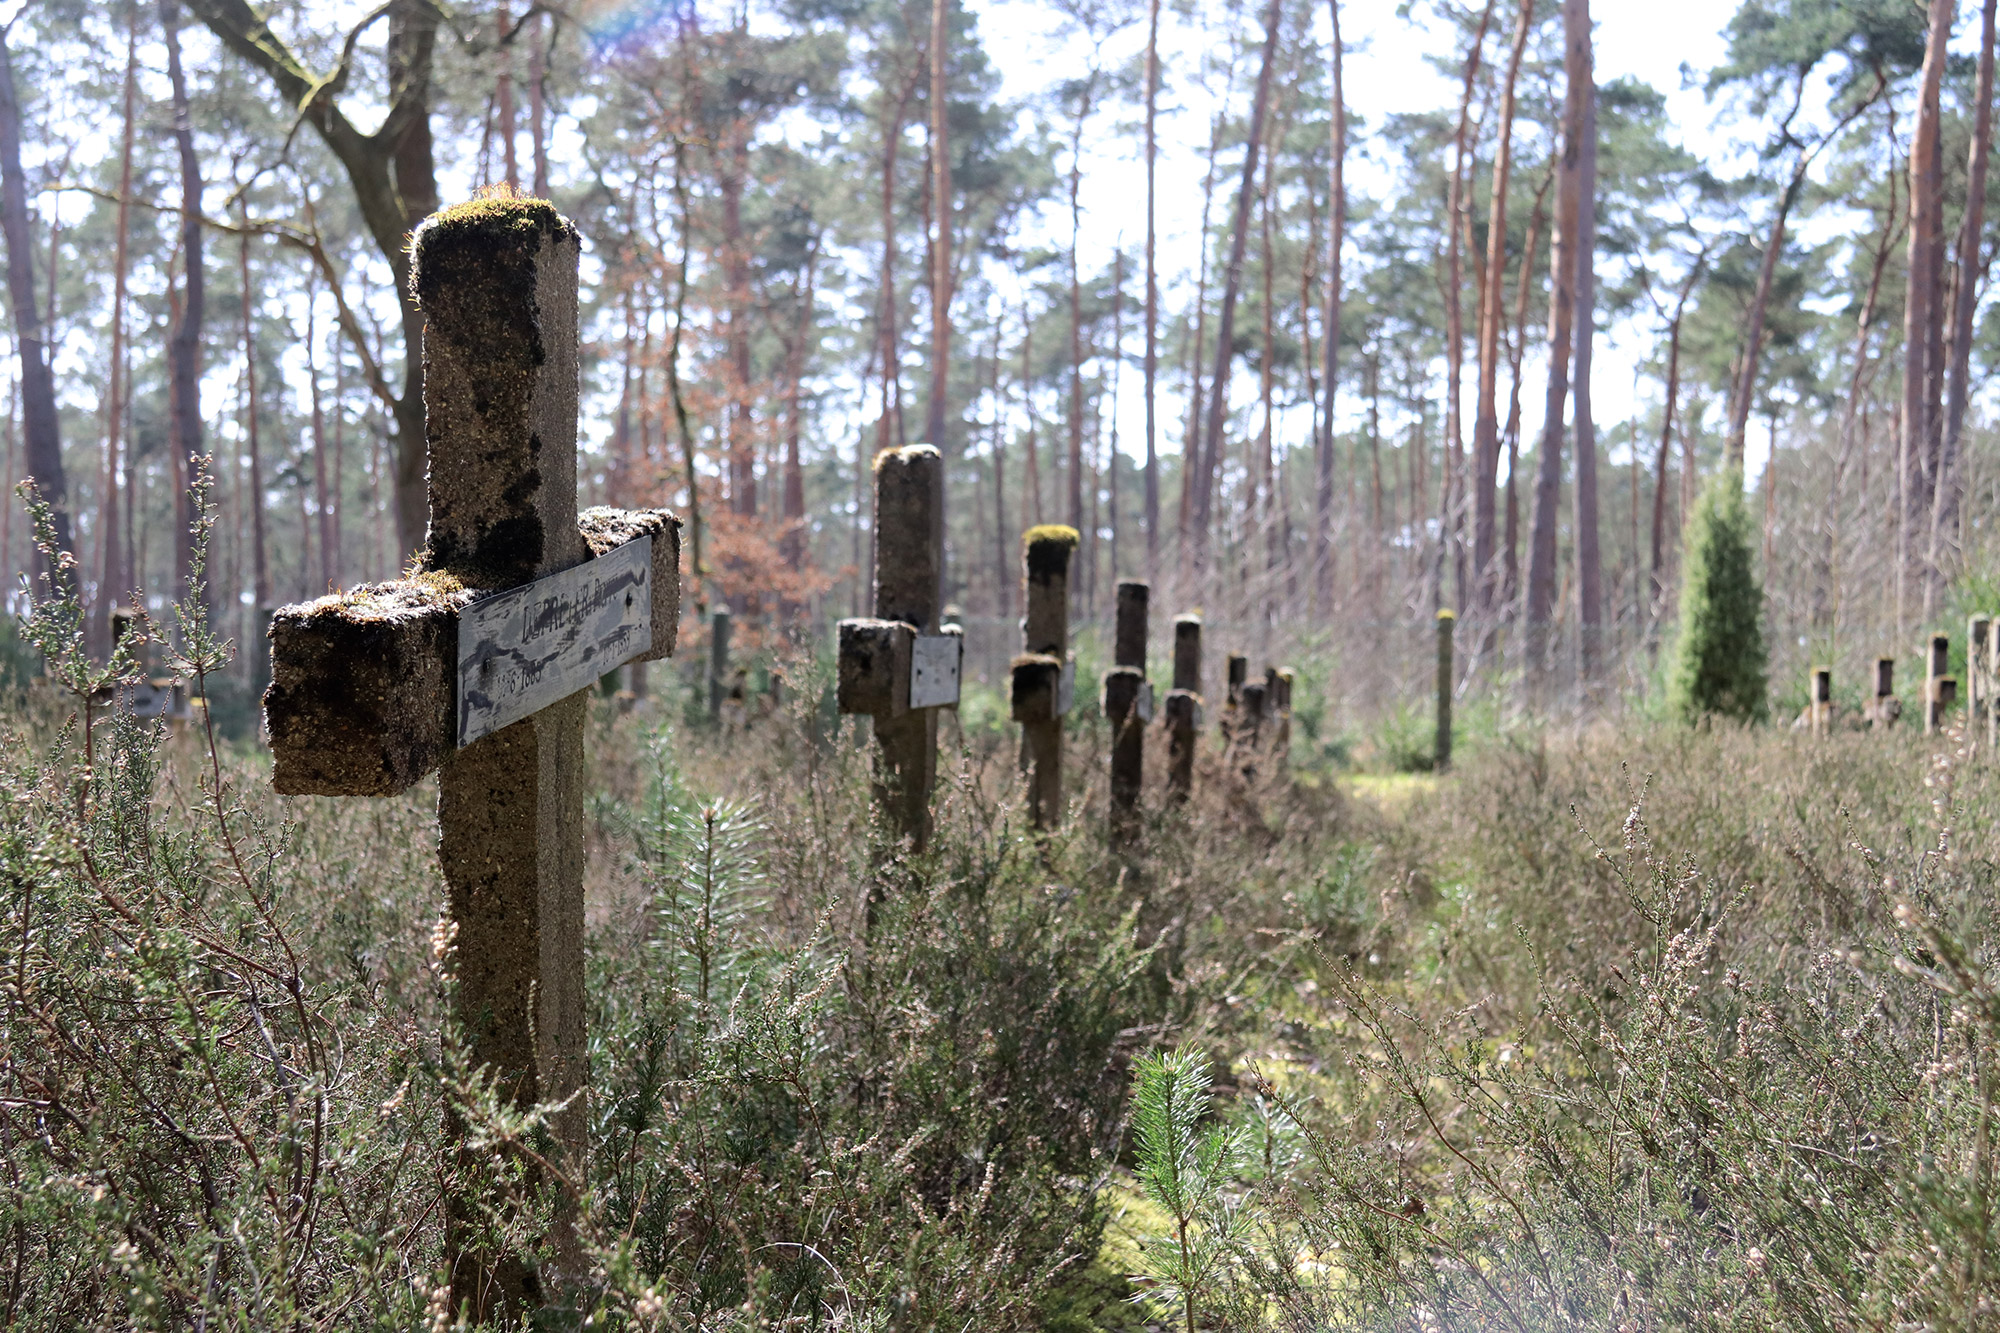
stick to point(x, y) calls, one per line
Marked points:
point(1719, 658)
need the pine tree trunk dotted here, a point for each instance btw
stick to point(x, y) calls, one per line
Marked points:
point(1492, 315)
point(1589, 571)
point(115, 580)
point(260, 565)
point(1218, 394)
point(938, 413)
point(40, 426)
point(1920, 309)
point(1971, 238)
point(1454, 313)
point(538, 100)
point(1563, 239)
point(503, 96)
point(1330, 333)
point(184, 350)
point(1153, 290)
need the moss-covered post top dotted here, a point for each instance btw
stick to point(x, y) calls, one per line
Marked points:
point(1045, 555)
point(496, 280)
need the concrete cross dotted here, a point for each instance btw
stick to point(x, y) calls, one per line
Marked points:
point(897, 666)
point(476, 665)
point(1182, 713)
point(1128, 706)
point(1043, 675)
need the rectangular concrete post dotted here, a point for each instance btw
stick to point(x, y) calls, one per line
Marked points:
point(1992, 661)
point(1944, 693)
point(718, 662)
point(1938, 662)
point(1978, 683)
point(498, 290)
point(1821, 706)
point(1281, 708)
point(1183, 707)
point(1447, 621)
point(1124, 686)
point(909, 586)
point(1038, 672)
point(1886, 708)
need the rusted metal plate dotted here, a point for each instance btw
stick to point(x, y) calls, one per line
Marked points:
point(523, 649)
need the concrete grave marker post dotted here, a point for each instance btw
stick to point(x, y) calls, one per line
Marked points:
point(478, 664)
point(895, 665)
point(1128, 706)
point(1183, 707)
point(1042, 676)
point(1887, 707)
point(1821, 706)
point(1937, 662)
point(1978, 683)
point(1447, 623)
point(719, 625)
point(1281, 708)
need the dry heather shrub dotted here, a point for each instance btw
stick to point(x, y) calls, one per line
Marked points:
point(1597, 1083)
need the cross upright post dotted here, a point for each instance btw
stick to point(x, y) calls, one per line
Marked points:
point(896, 665)
point(1042, 677)
point(1978, 684)
point(1938, 662)
point(1128, 706)
point(1887, 707)
point(1183, 707)
point(477, 666)
point(1447, 622)
point(1822, 700)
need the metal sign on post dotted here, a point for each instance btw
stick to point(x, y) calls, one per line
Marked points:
point(521, 650)
point(935, 662)
point(1066, 688)
point(1146, 701)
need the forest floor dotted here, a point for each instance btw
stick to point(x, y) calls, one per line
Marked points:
point(1647, 1028)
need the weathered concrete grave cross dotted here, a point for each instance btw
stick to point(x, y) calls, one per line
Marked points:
point(475, 664)
point(897, 665)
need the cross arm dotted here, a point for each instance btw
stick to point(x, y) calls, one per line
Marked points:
point(362, 697)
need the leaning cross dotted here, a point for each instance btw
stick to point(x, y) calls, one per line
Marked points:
point(475, 664)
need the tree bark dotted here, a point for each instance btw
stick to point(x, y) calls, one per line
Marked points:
point(938, 413)
point(1330, 334)
point(1218, 396)
point(1563, 248)
point(40, 426)
point(1153, 289)
point(114, 579)
point(1492, 315)
point(394, 178)
point(260, 565)
point(1454, 313)
point(793, 542)
point(1075, 463)
point(184, 349)
point(1589, 571)
point(1920, 309)
point(1667, 410)
point(1971, 237)
point(1191, 451)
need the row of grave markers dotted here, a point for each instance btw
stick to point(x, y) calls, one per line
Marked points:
point(902, 665)
point(1940, 689)
point(477, 664)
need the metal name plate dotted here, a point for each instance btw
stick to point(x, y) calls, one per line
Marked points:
point(523, 649)
point(1066, 690)
point(1146, 701)
point(934, 670)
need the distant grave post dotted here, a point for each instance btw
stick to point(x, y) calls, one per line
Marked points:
point(1937, 662)
point(1978, 680)
point(1128, 706)
point(1821, 707)
point(1447, 622)
point(1043, 676)
point(1183, 707)
point(718, 662)
point(1281, 709)
point(896, 665)
point(1887, 707)
point(477, 666)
